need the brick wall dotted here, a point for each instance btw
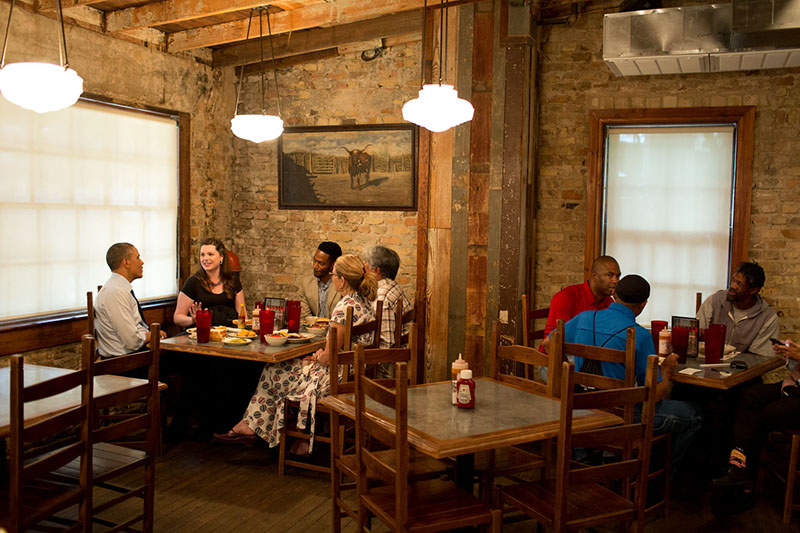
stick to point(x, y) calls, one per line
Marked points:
point(275, 246)
point(575, 80)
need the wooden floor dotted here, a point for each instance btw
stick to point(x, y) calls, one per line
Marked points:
point(206, 487)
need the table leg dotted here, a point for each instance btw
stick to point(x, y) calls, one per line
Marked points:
point(465, 472)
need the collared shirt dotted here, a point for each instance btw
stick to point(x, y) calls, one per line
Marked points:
point(570, 301)
point(608, 329)
point(390, 292)
point(322, 300)
point(118, 325)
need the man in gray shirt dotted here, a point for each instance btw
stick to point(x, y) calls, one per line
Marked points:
point(749, 319)
point(119, 323)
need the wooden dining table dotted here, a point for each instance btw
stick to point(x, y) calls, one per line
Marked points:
point(255, 351)
point(504, 415)
point(726, 377)
point(40, 409)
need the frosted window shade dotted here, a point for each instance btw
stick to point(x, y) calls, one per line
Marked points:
point(668, 211)
point(74, 182)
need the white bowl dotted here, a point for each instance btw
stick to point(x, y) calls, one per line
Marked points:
point(276, 341)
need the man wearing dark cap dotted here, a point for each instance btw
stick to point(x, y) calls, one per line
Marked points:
point(607, 328)
point(749, 319)
point(317, 296)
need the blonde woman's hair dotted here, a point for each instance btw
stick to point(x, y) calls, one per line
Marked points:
point(351, 268)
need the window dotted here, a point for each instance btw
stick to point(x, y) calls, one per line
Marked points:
point(74, 182)
point(670, 199)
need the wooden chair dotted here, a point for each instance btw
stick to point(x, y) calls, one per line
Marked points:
point(529, 317)
point(432, 505)
point(323, 413)
point(503, 462)
point(32, 496)
point(113, 459)
point(580, 496)
point(345, 464)
point(627, 357)
point(788, 475)
point(401, 319)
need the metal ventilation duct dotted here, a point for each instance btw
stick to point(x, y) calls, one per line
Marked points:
point(743, 35)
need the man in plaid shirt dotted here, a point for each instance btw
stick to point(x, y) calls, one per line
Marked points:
point(385, 263)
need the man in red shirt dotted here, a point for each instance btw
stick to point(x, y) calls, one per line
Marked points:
point(595, 293)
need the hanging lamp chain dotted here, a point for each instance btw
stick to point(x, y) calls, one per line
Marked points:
point(446, 35)
point(274, 66)
point(261, 52)
point(241, 71)
point(5, 39)
point(441, 39)
point(424, 35)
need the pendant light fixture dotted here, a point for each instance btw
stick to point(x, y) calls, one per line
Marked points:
point(438, 107)
point(40, 87)
point(262, 127)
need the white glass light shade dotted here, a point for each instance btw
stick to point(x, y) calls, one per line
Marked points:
point(257, 128)
point(40, 87)
point(438, 108)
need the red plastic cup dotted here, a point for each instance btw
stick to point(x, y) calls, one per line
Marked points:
point(715, 343)
point(680, 342)
point(293, 316)
point(203, 319)
point(724, 329)
point(266, 319)
point(655, 327)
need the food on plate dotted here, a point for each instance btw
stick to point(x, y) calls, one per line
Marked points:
point(245, 333)
point(322, 321)
point(236, 340)
point(218, 333)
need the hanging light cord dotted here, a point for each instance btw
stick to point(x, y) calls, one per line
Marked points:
point(241, 72)
point(441, 38)
point(62, 44)
point(5, 40)
point(424, 34)
point(274, 67)
point(446, 36)
point(261, 48)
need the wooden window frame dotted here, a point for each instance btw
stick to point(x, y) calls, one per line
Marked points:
point(743, 117)
point(65, 327)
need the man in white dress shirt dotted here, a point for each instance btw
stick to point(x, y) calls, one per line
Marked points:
point(119, 323)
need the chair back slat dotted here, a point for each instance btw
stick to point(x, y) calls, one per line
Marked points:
point(123, 428)
point(22, 470)
point(401, 318)
point(529, 317)
point(601, 473)
point(90, 312)
point(120, 365)
point(606, 399)
point(600, 437)
point(352, 331)
point(343, 363)
point(520, 354)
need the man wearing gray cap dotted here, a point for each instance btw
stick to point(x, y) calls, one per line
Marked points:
point(607, 328)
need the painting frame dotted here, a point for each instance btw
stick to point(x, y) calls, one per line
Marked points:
point(316, 164)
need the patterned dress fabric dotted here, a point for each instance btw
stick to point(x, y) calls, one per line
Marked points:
point(299, 381)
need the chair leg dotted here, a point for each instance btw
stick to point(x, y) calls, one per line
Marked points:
point(788, 500)
point(282, 450)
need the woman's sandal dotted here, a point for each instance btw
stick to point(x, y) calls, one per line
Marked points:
point(232, 437)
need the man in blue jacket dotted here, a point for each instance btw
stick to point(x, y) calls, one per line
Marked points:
point(607, 328)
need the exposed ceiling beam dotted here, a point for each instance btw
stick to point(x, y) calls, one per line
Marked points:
point(289, 61)
point(340, 12)
point(174, 11)
point(306, 41)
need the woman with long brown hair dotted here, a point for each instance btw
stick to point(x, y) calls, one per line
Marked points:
point(212, 287)
point(305, 380)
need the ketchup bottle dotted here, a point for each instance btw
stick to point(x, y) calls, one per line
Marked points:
point(466, 390)
point(457, 367)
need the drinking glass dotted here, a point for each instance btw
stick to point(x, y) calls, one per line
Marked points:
point(266, 319)
point(715, 342)
point(293, 316)
point(680, 342)
point(203, 319)
point(655, 327)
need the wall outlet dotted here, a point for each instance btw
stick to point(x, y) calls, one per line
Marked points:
point(504, 316)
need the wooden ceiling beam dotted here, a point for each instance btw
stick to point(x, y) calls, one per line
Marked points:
point(327, 14)
point(307, 41)
point(175, 11)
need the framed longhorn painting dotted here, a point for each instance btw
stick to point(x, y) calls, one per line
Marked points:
point(371, 167)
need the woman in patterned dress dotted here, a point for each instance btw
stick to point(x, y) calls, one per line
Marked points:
point(307, 379)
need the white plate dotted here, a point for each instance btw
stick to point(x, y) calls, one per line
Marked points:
point(237, 340)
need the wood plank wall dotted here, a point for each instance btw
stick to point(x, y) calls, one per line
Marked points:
point(472, 238)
